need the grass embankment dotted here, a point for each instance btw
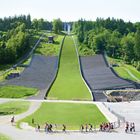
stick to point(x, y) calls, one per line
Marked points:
point(3, 137)
point(83, 50)
point(70, 114)
point(49, 49)
point(69, 84)
point(124, 70)
point(16, 92)
point(14, 107)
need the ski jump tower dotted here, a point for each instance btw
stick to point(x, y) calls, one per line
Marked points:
point(68, 29)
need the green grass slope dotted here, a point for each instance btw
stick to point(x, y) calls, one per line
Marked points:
point(70, 114)
point(69, 84)
point(14, 107)
point(49, 49)
point(124, 70)
point(16, 92)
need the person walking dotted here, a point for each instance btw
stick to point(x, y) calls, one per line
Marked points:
point(82, 128)
point(38, 128)
point(46, 127)
point(127, 127)
point(12, 120)
point(90, 128)
point(86, 127)
point(133, 127)
point(64, 128)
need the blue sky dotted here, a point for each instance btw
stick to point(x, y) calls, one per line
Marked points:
point(70, 10)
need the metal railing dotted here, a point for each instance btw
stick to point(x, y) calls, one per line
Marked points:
point(121, 119)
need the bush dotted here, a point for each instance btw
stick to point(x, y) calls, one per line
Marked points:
point(138, 66)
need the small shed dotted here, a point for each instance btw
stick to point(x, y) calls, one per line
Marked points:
point(12, 75)
point(50, 39)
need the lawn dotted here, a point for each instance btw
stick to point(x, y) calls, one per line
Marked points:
point(16, 92)
point(124, 70)
point(69, 84)
point(14, 107)
point(48, 49)
point(3, 137)
point(70, 114)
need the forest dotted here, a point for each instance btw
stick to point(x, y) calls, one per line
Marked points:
point(119, 39)
point(16, 36)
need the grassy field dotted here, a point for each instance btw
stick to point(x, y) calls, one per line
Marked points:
point(16, 92)
point(14, 107)
point(124, 70)
point(48, 49)
point(69, 84)
point(72, 115)
point(3, 137)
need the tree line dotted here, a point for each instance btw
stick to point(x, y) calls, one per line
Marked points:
point(118, 38)
point(13, 44)
point(8, 23)
point(16, 33)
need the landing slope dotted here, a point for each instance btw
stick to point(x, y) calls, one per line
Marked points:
point(69, 84)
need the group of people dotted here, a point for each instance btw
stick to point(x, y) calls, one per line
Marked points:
point(87, 128)
point(49, 128)
point(129, 127)
point(106, 127)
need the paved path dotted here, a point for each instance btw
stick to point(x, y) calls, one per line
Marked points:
point(129, 110)
point(17, 134)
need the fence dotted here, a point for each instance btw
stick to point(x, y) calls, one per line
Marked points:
point(121, 119)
